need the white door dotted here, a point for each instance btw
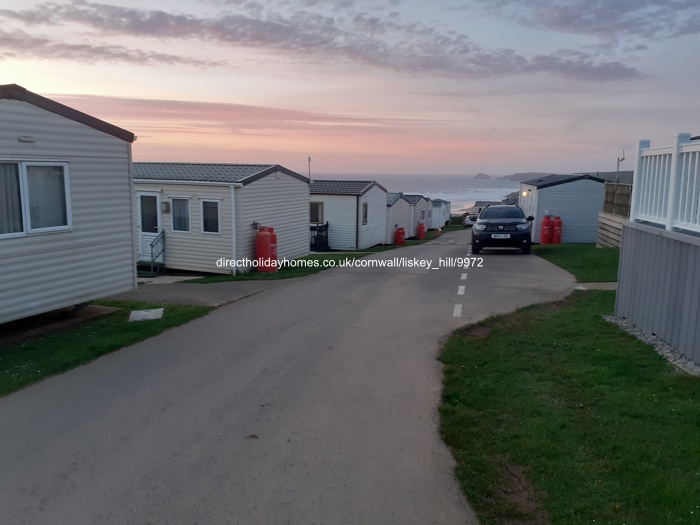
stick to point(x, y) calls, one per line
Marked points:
point(149, 224)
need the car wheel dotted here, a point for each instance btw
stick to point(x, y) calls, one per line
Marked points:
point(527, 249)
point(476, 250)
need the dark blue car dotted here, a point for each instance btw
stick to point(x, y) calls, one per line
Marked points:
point(502, 226)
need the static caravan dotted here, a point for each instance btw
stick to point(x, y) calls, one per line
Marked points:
point(398, 215)
point(195, 217)
point(66, 236)
point(421, 210)
point(577, 199)
point(441, 214)
point(480, 205)
point(658, 279)
point(354, 210)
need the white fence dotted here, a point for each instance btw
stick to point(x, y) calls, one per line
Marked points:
point(666, 188)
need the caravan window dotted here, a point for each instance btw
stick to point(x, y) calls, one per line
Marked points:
point(181, 215)
point(34, 198)
point(316, 214)
point(210, 216)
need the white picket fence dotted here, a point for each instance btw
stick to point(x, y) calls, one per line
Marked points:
point(666, 188)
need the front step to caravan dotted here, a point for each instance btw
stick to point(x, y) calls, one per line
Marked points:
point(149, 269)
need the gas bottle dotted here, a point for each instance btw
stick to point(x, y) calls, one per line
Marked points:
point(556, 230)
point(400, 237)
point(546, 237)
point(273, 248)
point(263, 249)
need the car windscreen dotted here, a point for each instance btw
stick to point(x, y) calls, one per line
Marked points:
point(502, 213)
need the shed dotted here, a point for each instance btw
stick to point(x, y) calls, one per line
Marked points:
point(205, 213)
point(398, 215)
point(577, 199)
point(421, 210)
point(66, 236)
point(440, 213)
point(354, 210)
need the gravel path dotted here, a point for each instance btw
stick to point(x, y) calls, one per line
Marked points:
point(661, 347)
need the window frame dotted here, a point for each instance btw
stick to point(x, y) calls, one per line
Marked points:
point(189, 215)
point(218, 216)
point(365, 213)
point(321, 210)
point(24, 196)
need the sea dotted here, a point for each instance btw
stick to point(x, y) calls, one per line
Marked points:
point(461, 190)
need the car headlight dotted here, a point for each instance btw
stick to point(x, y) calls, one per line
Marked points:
point(522, 226)
point(480, 227)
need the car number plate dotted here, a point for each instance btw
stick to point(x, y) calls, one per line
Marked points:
point(500, 235)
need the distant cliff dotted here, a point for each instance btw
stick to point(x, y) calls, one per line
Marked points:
point(482, 176)
point(520, 177)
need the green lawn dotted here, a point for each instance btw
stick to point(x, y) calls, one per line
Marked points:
point(586, 262)
point(556, 416)
point(28, 361)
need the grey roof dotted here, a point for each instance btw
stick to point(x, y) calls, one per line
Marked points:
point(623, 177)
point(555, 180)
point(481, 204)
point(194, 172)
point(413, 199)
point(15, 92)
point(440, 202)
point(342, 187)
point(392, 198)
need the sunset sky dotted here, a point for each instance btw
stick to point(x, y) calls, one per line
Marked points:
point(369, 86)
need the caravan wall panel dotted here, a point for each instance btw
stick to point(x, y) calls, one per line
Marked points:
point(51, 270)
point(659, 285)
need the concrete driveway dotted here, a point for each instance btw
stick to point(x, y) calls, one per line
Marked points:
point(313, 402)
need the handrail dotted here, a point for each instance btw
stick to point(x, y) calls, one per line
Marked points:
point(157, 244)
point(666, 190)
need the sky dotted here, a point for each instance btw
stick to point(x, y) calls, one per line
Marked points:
point(450, 87)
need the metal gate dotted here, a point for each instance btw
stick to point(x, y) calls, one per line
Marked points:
point(319, 238)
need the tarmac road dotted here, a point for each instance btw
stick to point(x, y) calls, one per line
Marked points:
point(313, 402)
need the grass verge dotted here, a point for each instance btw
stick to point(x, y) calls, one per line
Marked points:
point(28, 361)
point(556, 416)
point(586, 262)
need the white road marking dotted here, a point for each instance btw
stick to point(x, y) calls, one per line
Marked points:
point(460, 290)
point(457, 312)
point(464, 277)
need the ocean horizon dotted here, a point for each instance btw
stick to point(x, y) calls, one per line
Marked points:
point(462, 191)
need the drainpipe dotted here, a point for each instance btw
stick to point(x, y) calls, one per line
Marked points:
point(357, 222)
point(234, 225)
point(134, 229)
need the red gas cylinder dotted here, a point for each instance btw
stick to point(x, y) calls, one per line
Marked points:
point(400, 237)
point(263, 249)
point(546, 230)
point(273, 247)
point(421, 231)
point(556, 230)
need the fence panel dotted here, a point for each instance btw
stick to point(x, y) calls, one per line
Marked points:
point(666, 188)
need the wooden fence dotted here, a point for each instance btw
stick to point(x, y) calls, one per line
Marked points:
point(610, 230)
point(616, 210)
point(618, 198)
